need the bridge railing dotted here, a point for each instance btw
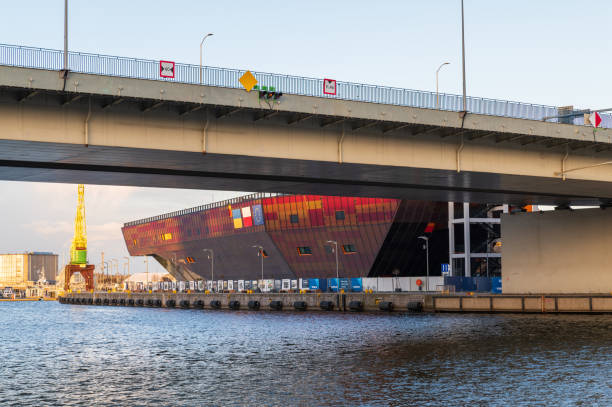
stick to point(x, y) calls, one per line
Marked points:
point(41, 58)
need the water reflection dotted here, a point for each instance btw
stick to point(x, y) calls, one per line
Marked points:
point(79, 355)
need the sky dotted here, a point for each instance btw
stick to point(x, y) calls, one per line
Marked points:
point(546, 52)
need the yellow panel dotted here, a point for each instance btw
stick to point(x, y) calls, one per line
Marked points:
point(237, 223)
point(248, 81)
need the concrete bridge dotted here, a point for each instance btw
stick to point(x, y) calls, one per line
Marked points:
point(112, 129)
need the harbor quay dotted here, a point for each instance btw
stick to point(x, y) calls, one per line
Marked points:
point(352, 302)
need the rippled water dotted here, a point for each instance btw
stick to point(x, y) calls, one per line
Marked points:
point(54, 354)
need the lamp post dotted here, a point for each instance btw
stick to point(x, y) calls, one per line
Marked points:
point(335, 243)
point(201, 44)
point(426, 239)
point(128, 263)
point(211, 256)
point(463, 56)
point(65, 36)
point(437, 93)
point(260, 250)
point(146, 260)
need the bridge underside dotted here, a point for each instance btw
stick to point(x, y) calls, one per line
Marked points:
point(120, 131)
point(70, 163)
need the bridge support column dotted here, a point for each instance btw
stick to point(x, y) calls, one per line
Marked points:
point(557, 252)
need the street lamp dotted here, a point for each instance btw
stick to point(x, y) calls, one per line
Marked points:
point(463, 56)
point(202, 43)
point(335, 243)
point(437, 93)
point(128, 263)
point(211, 256)
point(260, 251)
point(426, 239)
point(146, 260)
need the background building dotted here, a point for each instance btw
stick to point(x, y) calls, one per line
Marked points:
point(375, 237)
point(20, 269)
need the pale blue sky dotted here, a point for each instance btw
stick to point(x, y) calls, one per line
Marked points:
point(548, 52)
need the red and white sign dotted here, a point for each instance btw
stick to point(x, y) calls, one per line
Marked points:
point(166, 69)
point(595, 119)
point(329, 86)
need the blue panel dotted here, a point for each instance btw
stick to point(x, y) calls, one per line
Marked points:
point(314, 283)
point(236, 214)
point(332, 283)
point(496, 285)
point(356, 285)
point(258, 218)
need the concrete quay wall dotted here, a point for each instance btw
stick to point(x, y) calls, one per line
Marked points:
point(523, 303)
point(267, 301)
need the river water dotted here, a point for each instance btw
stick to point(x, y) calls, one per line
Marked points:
point(55, 354)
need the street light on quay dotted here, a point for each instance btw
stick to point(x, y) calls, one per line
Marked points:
point(260, 251)
point(437, 93)
point(211, 256)
point(201, 44)
point(335, 243)
point(128, 264)
point(426, 239)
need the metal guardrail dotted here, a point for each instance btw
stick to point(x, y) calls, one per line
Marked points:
point(41, 58)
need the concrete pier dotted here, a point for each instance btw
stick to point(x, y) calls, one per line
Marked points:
point(266, 301)
point(379, 302)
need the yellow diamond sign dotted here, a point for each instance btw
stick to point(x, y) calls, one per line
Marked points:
point(248, 81)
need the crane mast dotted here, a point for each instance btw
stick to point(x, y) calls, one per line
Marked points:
point(78, 249)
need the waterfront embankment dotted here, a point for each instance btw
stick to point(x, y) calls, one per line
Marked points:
point(371, 302)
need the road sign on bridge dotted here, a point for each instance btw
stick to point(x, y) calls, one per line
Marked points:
point(166, 69)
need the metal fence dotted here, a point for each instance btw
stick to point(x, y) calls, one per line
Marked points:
point(41, 58)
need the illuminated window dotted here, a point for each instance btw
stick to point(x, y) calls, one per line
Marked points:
point(135, 242)
point(339, 215)
point(348, 249)
point(166, 236)
point(294, 218)
point(190, 259)
point(304, 251)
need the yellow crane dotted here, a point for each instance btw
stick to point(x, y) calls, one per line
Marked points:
point(78, 249)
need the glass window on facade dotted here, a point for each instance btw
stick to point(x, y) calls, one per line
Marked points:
point(348, 248)
point(304, 251)
point(329, 249)
point(339, 215)
point(294, 218)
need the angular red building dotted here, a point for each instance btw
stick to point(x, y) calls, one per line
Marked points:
point(375, 237)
